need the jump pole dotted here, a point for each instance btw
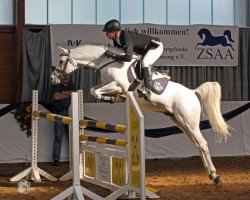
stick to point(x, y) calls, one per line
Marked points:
point(33, 172)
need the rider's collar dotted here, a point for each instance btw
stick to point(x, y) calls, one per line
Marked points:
point(118, 41)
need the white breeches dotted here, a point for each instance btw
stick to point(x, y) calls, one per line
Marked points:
point(152, 55)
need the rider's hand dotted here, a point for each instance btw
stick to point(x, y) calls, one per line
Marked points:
point(109, 53)
point(136, 56)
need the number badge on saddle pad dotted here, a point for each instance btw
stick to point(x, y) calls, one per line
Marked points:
point(158, 85)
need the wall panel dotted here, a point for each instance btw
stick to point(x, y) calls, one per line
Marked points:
point(7, 65)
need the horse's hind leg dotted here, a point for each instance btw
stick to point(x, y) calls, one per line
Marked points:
point(202, 146)
point(195, 135)
point(185, 130)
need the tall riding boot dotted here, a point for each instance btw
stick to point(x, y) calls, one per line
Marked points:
point(147, 78)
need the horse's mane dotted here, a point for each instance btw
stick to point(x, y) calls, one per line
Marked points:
point(115, 49)
point(96, 48)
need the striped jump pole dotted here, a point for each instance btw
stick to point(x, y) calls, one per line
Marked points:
point(102, 140)
point(52, 117)
point(103, 125)
point(83, 122)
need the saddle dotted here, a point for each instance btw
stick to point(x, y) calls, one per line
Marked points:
point(136, 68)
point(158, 85)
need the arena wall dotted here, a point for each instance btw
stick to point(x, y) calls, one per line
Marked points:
point(7, 65)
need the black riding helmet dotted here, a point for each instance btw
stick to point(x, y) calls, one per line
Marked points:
point(112, 25)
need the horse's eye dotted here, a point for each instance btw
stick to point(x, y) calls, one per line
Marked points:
point(60, 62)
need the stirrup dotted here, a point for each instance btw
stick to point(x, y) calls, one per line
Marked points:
point(143, 94)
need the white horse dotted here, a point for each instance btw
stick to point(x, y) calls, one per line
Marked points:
point(183, 105)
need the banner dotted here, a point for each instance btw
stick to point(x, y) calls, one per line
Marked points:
point(197, 45)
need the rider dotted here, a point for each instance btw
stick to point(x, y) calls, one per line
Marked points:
point(150, 48)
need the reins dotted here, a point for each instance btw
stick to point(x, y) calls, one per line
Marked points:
point(102, 56)
point(100, 68)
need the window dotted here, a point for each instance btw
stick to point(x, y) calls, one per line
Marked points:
point(6, 12)
point(84, 12)
point(59, 12)
point(178, 12)
point(155, 12)
point(107, 10)
point(201, 14)
point(131, 11)
point(223, 12)
point(32, 8)
point(169, 12)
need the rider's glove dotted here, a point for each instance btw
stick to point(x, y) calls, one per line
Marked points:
point(109, 53)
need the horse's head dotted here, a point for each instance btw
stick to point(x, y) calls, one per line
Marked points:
point(65, 66)
point(91, 56)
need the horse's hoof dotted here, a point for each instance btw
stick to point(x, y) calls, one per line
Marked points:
point(218, 183)
point(217, 180)
point(140, 93)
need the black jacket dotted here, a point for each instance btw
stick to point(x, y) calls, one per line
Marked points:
point(133, 42)
point(63, 104)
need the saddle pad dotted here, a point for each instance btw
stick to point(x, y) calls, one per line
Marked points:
point(158, 85)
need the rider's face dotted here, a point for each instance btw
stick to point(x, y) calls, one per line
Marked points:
point(111, 35)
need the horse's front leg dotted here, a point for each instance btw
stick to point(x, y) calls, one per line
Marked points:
point(107, 92)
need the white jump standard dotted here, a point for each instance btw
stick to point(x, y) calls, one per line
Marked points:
point(34, 171)
point(76, 190)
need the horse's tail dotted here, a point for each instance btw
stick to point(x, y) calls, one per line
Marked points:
point(210, 96)
point(229, 36)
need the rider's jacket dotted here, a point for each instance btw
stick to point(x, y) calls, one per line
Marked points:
point(133, 42)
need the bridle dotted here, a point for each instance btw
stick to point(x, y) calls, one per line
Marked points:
point(69, 59)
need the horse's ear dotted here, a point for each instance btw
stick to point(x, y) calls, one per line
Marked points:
point(63, 50)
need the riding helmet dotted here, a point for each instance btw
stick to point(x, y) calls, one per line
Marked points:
point(112, 25)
